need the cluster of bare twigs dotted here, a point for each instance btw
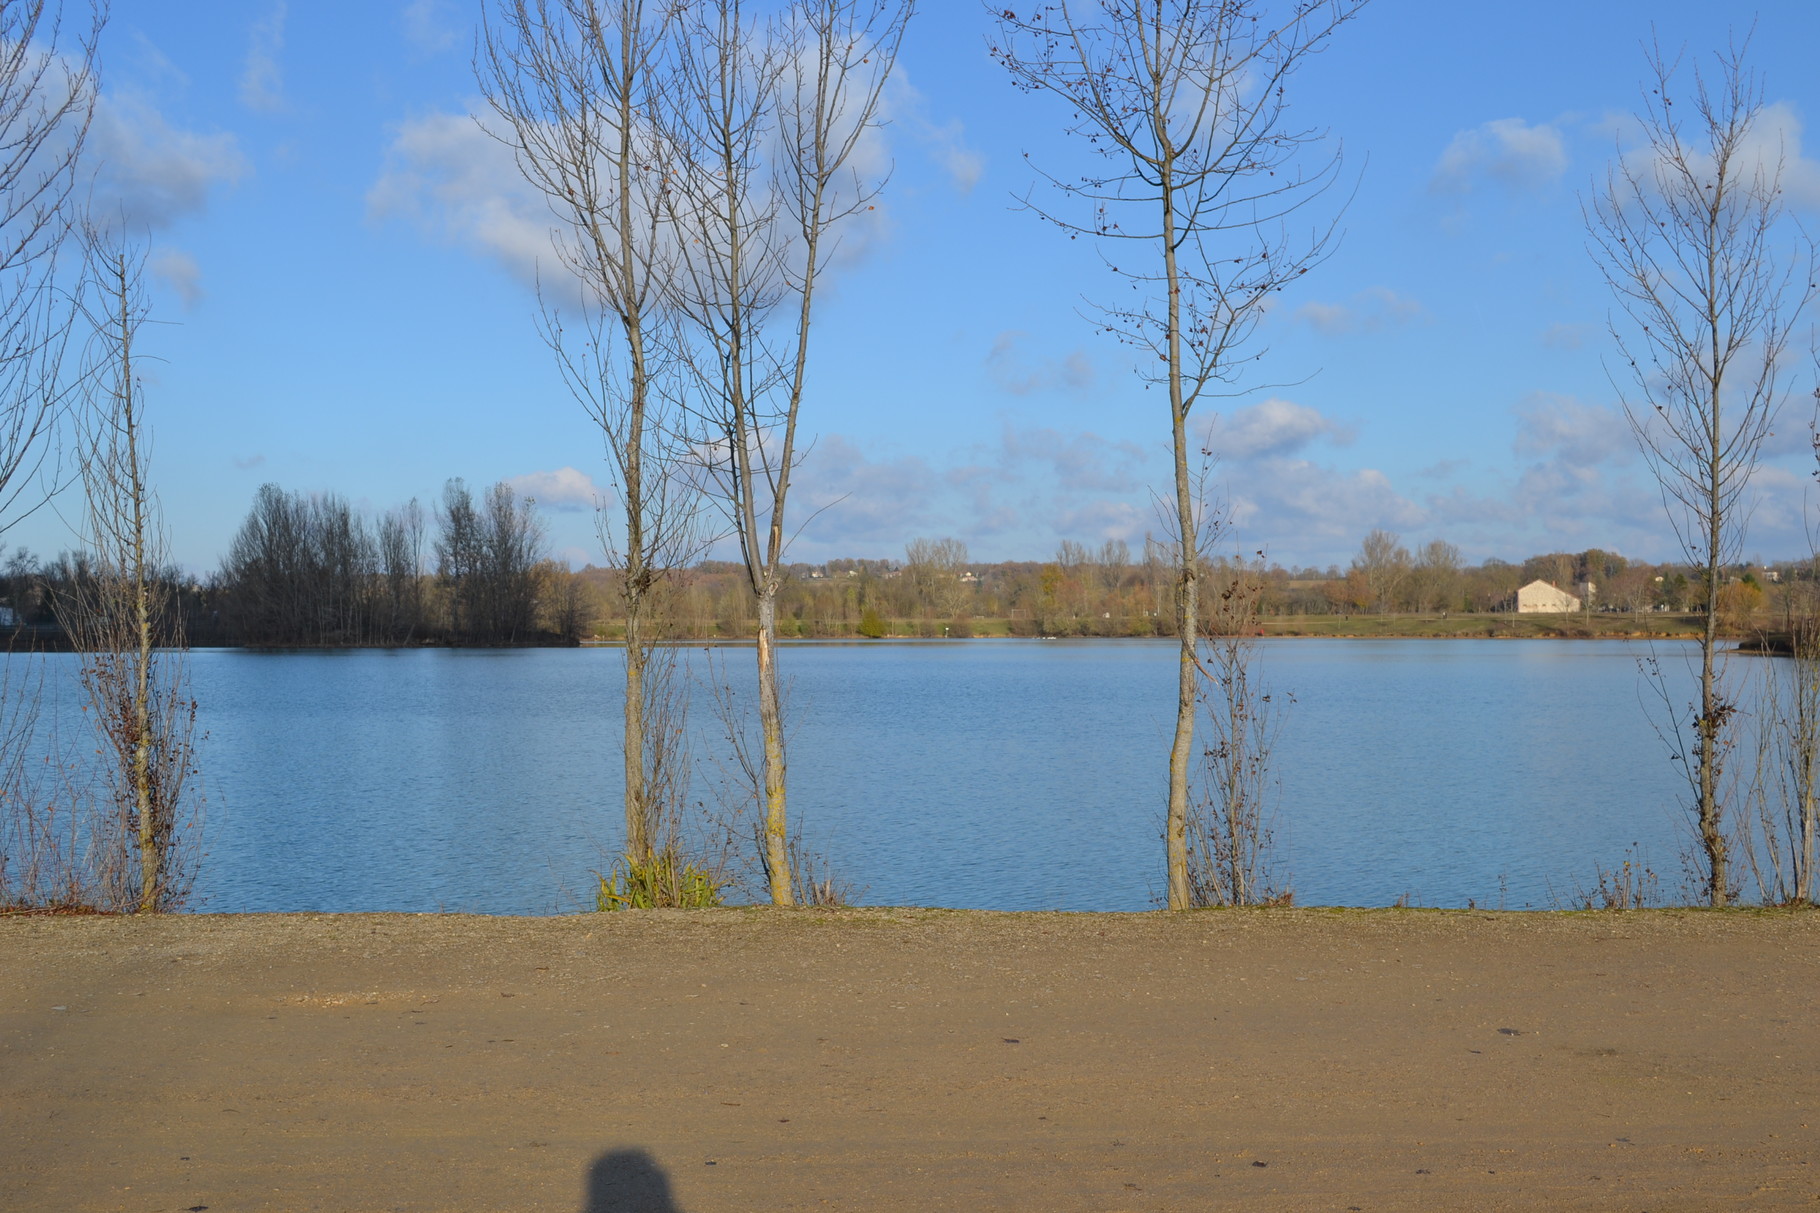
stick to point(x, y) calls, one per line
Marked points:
point(1230, 829)
point(1632, 885)
point(1781, 832)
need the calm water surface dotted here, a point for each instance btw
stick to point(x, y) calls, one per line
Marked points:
point(1004, 775)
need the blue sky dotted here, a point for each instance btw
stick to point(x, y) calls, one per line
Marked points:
point(345, 265)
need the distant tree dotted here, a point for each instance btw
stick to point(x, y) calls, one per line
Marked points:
point(487, 560)
point(1436, 575)
point(512, 551)
point(935, 568)
point(1556, 568)
point(458, 557)
point(1383, 563)
point(1689, 233)
point(401, 534)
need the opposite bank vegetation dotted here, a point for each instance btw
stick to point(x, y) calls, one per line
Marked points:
point(309, 571)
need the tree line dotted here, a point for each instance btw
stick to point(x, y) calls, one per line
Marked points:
point(309, 570)
point(936, 591)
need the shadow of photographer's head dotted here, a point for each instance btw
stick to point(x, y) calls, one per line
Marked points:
point(628, 1181)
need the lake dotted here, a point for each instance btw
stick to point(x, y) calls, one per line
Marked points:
point(988, 774)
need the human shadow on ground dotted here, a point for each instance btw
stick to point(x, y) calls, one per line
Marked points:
point(628, 1181)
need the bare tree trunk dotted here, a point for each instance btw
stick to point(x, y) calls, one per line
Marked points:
point(151, 858)
point(1712, 713)
point(638, 827)
point(771, 724)
point(1188, 555)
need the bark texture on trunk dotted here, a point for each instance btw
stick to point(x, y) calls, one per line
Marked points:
point(771, 723)
point(1187, 592)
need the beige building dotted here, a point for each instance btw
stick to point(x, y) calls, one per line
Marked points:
point(1539, 597)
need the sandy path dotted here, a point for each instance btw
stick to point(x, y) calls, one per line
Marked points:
point(749, 1060)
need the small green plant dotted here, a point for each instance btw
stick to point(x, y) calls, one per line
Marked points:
point(661, 881)
point(871, 626)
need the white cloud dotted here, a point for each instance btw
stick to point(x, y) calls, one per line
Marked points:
point(1370, 311)
point(1559, 336)
point(1097, 521)
point(1777, 139)
point(150, 174)
point(847, 498)
point(566, 489)
point(452, 179)
point(946, 142)
point(1300, 507)
point(1272, 428)
point(1773, 148)
point(179, 271)
point(262, 78)
point(1080, 463)
point(1507, 151)
point(428, 27)
point(1570, 433)
point(1013, 372)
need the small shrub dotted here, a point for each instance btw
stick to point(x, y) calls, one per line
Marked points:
point(661, 882)
point(871, 626)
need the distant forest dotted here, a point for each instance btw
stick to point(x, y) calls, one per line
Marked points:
point(309, 570)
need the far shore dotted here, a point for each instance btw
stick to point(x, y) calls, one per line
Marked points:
point(899, 1059)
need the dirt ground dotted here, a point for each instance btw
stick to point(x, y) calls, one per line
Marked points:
point(911, 1059)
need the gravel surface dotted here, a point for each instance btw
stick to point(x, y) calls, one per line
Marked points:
point(910, 1059)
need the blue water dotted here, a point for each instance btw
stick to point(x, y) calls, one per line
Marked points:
point(1002, 775)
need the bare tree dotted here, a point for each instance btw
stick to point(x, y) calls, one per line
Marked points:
point(118, 609)
point(401, 568)
point(1688, 231)
point(458, 556)
point(935, 568)
point(487, 559)
point(768, 126)
point(1437, 575)
point(580, 86)
point(47, 96)
point(1186, 100)
point(1384, 563)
